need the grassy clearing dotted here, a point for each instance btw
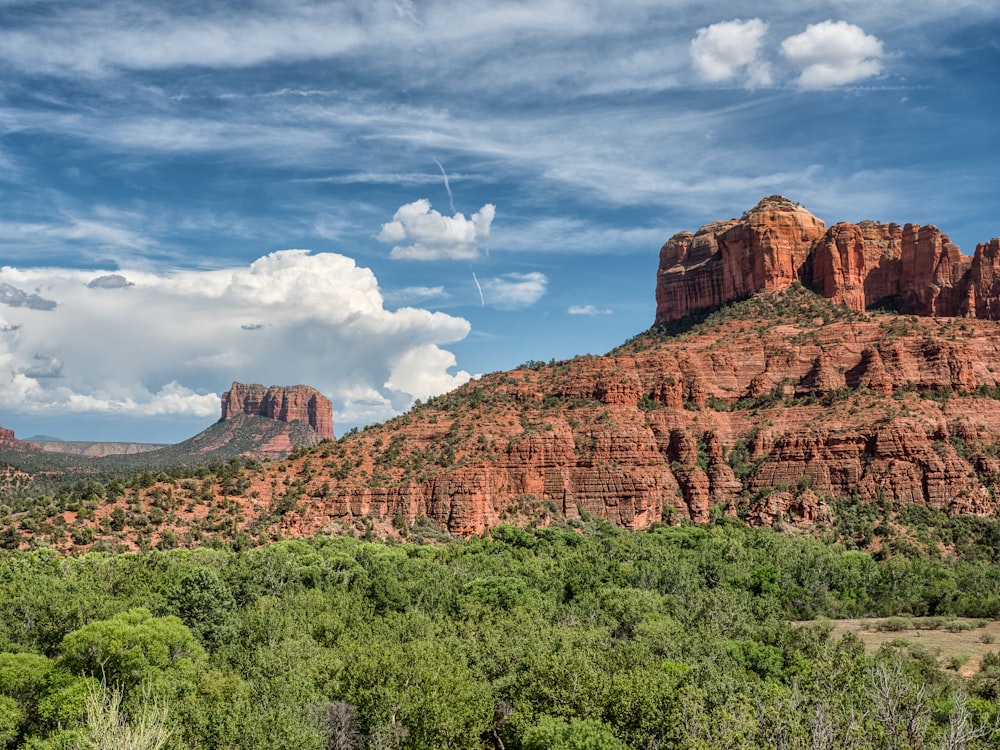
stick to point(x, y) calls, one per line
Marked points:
point(958, 643)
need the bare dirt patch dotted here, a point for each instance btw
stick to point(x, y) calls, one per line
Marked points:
point(957, 643)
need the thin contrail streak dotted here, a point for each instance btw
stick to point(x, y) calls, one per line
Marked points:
point(447, 187)
point(481, 298)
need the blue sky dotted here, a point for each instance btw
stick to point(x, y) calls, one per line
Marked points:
point(383, 199)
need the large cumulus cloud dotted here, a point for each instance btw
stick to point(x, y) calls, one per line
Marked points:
point(168, 343)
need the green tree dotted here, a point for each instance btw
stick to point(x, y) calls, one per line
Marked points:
point(206, 605)
point(36, 697)
point(551, 733)
point(133, 648)
point(419, 694)
point(11, 718)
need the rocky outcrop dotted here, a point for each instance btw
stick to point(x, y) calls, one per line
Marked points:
point(914, 269)
point(282, 403)
point(730, 260)
point(9, 442)
point(983, 296)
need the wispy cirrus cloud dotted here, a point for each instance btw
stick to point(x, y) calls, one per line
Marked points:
point(588, 310)
point(514, 291)
point(411, 294)
point(100, 229)
point(100, 38)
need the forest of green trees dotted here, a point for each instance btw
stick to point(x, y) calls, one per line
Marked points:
point(594, 638)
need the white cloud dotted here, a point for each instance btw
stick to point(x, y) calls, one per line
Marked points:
point(515, 290)
point(587, 310)
point(724, 50)
point(433, 236)
point(833, 53)
point(423, 372)
point(171, 342)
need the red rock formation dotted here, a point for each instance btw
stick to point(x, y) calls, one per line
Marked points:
point(730, 260)
point(915, 268)
point(983, 296)
point(565, 438)
point(854, 264)
point(282, 403)
point(620, 438)
point(11, 443)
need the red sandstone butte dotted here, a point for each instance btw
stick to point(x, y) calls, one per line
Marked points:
point(915, 269)
point(282, 403)
point(9, 442)
point(7, 437)
point(730, 260)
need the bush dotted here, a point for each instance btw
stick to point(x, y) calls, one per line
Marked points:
point(894, 624)
point(576, 734)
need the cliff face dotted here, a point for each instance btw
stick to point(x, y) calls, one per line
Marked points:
point(914, 268)
point(9, 442)
point(282, 403)
point(730, 260)
point(767, 417)
point(983, 297)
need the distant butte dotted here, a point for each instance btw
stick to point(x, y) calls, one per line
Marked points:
point(912, 269)
point(282, 403)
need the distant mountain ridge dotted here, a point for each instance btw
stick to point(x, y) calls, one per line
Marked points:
point(94, 449)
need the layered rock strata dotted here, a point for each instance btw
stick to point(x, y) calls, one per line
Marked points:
point(768, 416)
point(914, 269)
point(282, 403)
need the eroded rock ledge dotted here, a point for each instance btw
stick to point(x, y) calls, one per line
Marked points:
point(282, 403)
point(913, 269)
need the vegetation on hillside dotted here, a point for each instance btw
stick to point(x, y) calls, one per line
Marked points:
point(795, 305)
point(27, 474)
